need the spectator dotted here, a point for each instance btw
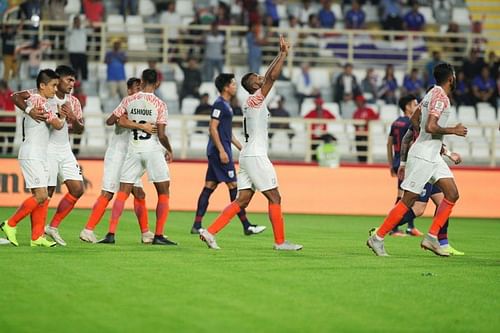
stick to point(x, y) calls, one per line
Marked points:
point(413, 85)
point(82, 98)
point(305, 12)
point(10, 65)
point(269, 34)
point(326, 16)
point(293, 34)
point(31, 10)
point(462, 94)
point(35, 53)
point(192, 80)
point(346, 85)
point(128, 7)
point(391, 15)
point(251, 12)
point(318, 129)
point(479, 42)
point(414, 20)
point(56, 13)
point(310, 41)
point(483, 87)
point(389, 87)
point(277, 110)
point(76, 40)
point(214, 53)
point(94, 11)
point(4, 5)
point(369, 85)
point(204, 108)
point(429, 68)
point(355, 17)
point(454, 45)
point(254, 43)
point(304, 85)
point(222, 16)
point(472, 65)
point(7, 123)
point(172, 20)
point(327, 154)
point(272, 12)
point(363, 113)
point(116, 59)
point(494, 64)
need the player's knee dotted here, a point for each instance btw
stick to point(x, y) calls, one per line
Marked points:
point(41, 197)
point(275, 199)
point(77, 192)
point(107, 195)
point(139, 193)
point(453, 196)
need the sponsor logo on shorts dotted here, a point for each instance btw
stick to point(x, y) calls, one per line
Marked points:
point(423, 193)
point(412, 184)
point(37, 180)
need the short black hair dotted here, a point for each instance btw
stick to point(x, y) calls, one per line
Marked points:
point(63, 70)
point(442, 72)
point(132, 81)
point(45, 76)
point(403, 101)
point(244, 82)
point(149, 76)
point(222, 80)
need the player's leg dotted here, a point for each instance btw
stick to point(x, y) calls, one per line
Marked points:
point(437, 198)
point(395, 231)
point(248, 228)
point(203, 201)
point(416, 210)
point(141, 212)
point(116, 212)
point(87, 234)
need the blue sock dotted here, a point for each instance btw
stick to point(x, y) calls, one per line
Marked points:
point(443, 234)
point(242, 214)
point(201, 209)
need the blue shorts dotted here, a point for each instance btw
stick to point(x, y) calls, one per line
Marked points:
point(429, 190)
point(218, 172)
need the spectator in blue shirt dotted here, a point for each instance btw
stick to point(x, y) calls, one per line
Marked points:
point(413, 20)
point(483, 87)
point(326, 15)
point(389, 86)
point(355, 18)
point(413, 85)
point(462, 94)
point(254, 43)
point(391, 15)
point(272, 10)
point(116, 59)
point(429, 68)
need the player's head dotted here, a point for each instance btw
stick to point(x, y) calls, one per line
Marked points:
point(444, 74)
point(149, 77)
point(67, 78)
point(407, 104)
point(46, 82)
point(226, 83)
point(133, 85)
point(252, 82)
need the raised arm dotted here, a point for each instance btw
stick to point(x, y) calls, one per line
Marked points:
point(274, 70)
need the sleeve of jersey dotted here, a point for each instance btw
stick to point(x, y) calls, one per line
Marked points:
point(217, 111)
point(437, 105)
point(256, 100)
point(121, 109)
point(77, 108)
point(51, 110)
point(162, 114)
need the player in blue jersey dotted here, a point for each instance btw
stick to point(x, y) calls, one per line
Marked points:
point(220, 158)
point(399, 127)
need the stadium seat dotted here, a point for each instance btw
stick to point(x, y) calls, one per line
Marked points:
point(467, 114)
point(146, 8)
point(184, 8)
point(307, 105)
point(210, 89)
point(136, 43)
point(460, 15)
point(453, 118)
point(189, 105)
point(139, 68)
point(371, 13)
point(377, 128)
point(480, 149)
point(135, 24)
point(337, 10)
point(389, 112)
point(72, 7)
point(486, 114)
point(320, 77)
point(333, 108)
point(130, 69)
point(93, 106)
point(427, 13)
point(115, 23)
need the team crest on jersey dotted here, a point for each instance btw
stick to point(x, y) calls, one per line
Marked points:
point(230, 173)
point(216, 113)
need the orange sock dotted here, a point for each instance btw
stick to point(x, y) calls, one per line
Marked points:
point(26, 208)
point(65, 206)
point(223, 219)
point(276, 218)
point(97, 212)
point(117, 210)
point(38, 217)
point(162, 210)
point(142, 214)
point(442, 214)
point(395, 215)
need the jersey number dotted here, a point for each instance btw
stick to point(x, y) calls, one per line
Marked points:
point(143, 135)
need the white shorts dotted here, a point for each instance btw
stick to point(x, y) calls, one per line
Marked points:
point(420, 172)
point(153, 162)
point(35, 172)
point(256, 173)
point(113, 163)
point(63, 164)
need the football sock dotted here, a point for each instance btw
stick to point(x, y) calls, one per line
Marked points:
point(443, 234)
point(202, 206)
point(276, 218)
point(142, 214)
point(97, 212)
point(441, 216)
point(65, 206)
point(38, 217)
point(409, 218)
point(223, 219)
point(162, 211)
point(242, 214)
point(26, 208)
point(117, 210)
point(394, 217)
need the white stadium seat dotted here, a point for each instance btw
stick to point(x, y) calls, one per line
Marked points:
point(134, 24)
point(389, 112)
point(189, 105)
point(115, 23)
point(467, 114)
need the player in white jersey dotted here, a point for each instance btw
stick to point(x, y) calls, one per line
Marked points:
point(256, 170)
point(113, 162)
point(425, 164)
point(62, 161)
point(146, 152)
point(34, 162)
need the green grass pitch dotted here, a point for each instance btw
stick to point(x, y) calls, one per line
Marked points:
point(335, 284)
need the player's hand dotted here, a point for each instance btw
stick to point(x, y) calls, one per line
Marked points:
point(401, 172)
point(224, 158)
point(393, 173)
point(284, 45)
point(38, 114)
point(66, 111)
point(455, 158)
point(169, 156)
point(460, 130)
point(149, 128)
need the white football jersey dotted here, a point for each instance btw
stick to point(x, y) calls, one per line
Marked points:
point(36, 134)
point(255, 123)
point(143, 108)
point(428, 146)
point(61, 137)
